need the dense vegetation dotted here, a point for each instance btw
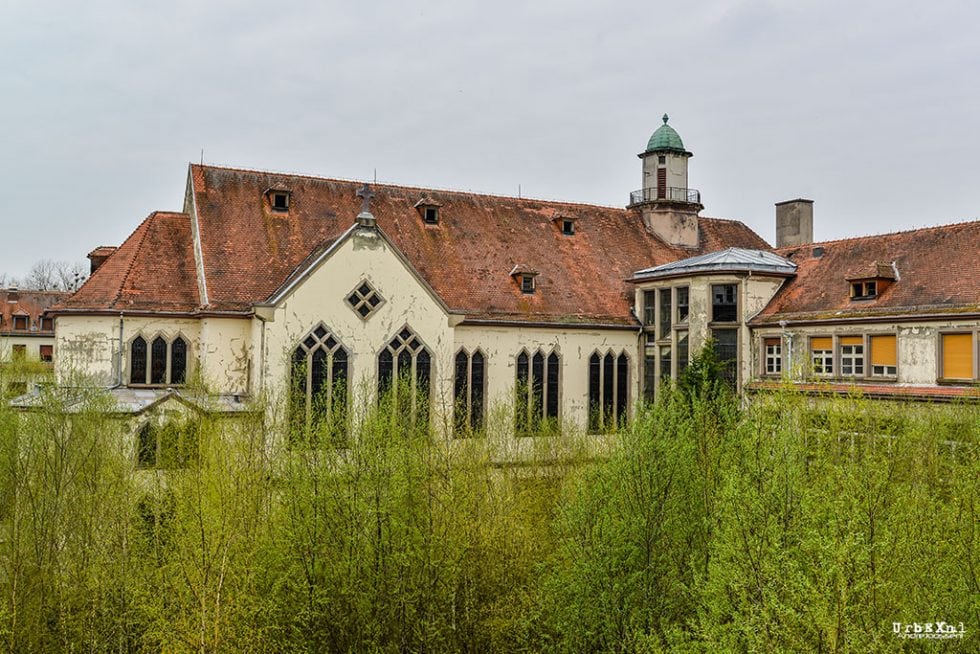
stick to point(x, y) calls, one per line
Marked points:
point(786, 526)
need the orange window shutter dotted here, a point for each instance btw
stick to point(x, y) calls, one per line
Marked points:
point(821, 343)
point(883, 351)
point(852, 340)
point(957, 356)
point(773, 341)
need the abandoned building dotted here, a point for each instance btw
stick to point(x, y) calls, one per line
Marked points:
point(26, 337)
point(326, 292)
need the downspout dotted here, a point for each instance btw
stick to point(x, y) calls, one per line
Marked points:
point(119, 354)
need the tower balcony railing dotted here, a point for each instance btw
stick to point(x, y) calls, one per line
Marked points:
point(670, 194)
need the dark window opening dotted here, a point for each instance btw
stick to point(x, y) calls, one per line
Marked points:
point(649, 375)
point(146, 452)
point(318, 390)
point(404, 378)
point(468, 393)
point(364, 299)
point(661, 159)
point(19, 352)
point(178, 361)
point(649, 307)
point(567, 227)
point(682, 351)
point(280, 201)
point(47, 353)
point(158, 361)
point(527, 284)
point(137, 361)
point(608, 392)
point(664, 365)
point(665, 312)
point(682, 303)
point(864, 290)
point(726, 351)
point(431, 215)
point(537, 403)
point(724, 303)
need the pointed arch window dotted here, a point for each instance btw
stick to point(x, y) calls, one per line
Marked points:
point(404, 377)
point(608, 391)
point(469, 385)
point(161, 362)
point(318, 389)
point(538, 382)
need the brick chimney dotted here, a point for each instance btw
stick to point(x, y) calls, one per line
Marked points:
point(794, 222)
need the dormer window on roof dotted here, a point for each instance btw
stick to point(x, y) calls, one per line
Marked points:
point(565, 222)
point(278, 199)
point(429, 210)
point(869, 282)
point(525, 278)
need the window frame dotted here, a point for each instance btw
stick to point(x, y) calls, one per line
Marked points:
point(274, 205)
point(870, 354)
point(531, 427)
point(18, 320)
point(168, 360)
point(596, 414)
point(852, 359)
point(310, 417)
point(736, 304)
point(772, 362)
point(469, 426)
point(827, 355)
point(941, 377)
point(414, 371)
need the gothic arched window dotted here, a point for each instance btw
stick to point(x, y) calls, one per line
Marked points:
point(538, 382)
point(162, 362)
point(468, 392)
point(608, 391)
point(318, 388)
point(404, 376)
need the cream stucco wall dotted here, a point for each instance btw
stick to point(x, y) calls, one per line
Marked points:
point(501, 345)
point(321, 297)
point(90, 344)
point(917, 346)
point(676, 165)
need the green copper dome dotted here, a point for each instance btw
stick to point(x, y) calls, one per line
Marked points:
point(666, 138)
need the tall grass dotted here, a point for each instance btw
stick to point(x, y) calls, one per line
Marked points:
point(788, 525)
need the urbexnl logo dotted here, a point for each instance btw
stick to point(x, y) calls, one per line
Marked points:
point(928, 630)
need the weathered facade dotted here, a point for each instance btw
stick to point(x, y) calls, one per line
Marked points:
point(317, 293)
point(26, 337)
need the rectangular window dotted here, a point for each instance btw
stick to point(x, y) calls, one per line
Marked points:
point(19, 352)
point(665, 313)
point(957, 356)
point(884, 359)
point(774, 355)
point(664, 364)
point(682, 303)
point(468, 391)
point(724, 303)
point(649, 307)
point(527, 284)
point(726, 351)
point(649, 375)
point(822, 355)
point(47, 324)
point(47, 353)
point(852, 355)
point(682, 351)
point(21, 323)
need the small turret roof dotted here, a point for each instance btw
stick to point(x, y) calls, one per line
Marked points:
point(727, 260)
point(665, 138)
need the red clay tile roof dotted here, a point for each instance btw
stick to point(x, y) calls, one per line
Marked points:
point(153, 270)
point(249, 250)
point(26, 303)
point(938, 272)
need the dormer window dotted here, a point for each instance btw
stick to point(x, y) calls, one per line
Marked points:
point(524, 276)
point(429, 210)
point(564, 222)
point(21, 323)
point(279, 200)
point(567, 227)
point(864, 290)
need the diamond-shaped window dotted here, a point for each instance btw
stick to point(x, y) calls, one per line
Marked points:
point(364, 299)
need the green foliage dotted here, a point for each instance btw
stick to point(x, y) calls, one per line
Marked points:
point(784, 526)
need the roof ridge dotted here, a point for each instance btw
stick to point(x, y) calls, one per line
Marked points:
point(895, 233)
point(409, 187)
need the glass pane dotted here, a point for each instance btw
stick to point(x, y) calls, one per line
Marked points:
point(137, 361)
point(158, 361)
point(476, 397)
point(595, 401)
point(178, 361)
point(460, 392)
point(622, 389)
point(537, 389)
point(608, 401)
point(665, 312)
point(552, 406)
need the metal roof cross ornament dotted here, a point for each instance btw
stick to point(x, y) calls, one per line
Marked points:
point(365, 193)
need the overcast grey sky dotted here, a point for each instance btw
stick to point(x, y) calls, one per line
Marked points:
point(869, 108)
